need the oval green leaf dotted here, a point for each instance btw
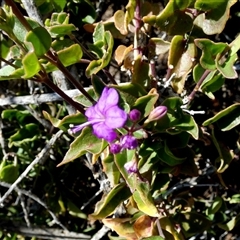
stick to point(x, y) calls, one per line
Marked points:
point(227, 118)
point(40, 39)
point(31, 65)
point(109, 202)
point(67, 56)
point(85, 142)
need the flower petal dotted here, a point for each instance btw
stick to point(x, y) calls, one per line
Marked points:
point(93, 113)
point(103, 131)
point(131, 166)
point(115, 148)
point(115, 117)
point(109, 98)
point(129, 142)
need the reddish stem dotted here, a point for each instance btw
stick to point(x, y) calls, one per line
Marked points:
point(192, 95)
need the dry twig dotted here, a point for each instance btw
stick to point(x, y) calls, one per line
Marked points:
point(44, 151)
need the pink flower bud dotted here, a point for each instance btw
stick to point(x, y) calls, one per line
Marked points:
point(131, 167)
point(157, 113)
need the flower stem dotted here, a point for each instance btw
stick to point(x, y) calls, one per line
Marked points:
point(53, 58)
point(137, 28)
point(45, 79)
point(153, 74)
point(199, 83)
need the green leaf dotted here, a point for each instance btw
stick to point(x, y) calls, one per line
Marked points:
point(61, 30)
point(176, 120)
point(64, 123)
point(198, 71)
point(122, 226)
point(213, 83)
point(9, 173)
point(216, 205)
point(181, 58)
point(96, 65)
point(59, 44)
point(122, 158)
point(168, 224)
point(235, 199)
point(5, 45)
point(143, 198)
point(227, 68)
point(173, 18)
point(67, 56)
point(192, 223)
point(98, 85)
point(131, 91)
point(235, 45)
point(89, 13)
point(188, 124)
point(98, 34)
point(75, 211)
point(85, 142)
point(148, 155)
point(109, 202)
point(229, 226)
point(12, 114)
point(3, 164)
point(20, 31)
point(31, 65)
point(173, 104)
point(111, 170)
point(146, 104)
point(225, 155)
point(59, 5)
point(26, 134)
point(130, 10)
point(168, 157)
point(97, 49)
point(83, 100)
point(108, 40)
point(59, 26)
point(110, 26)
point(9, 72)
point(140, 71)
point(7, 20)
point(40, 39)
point(215, 15)
point(210, 50)
point(227, 118)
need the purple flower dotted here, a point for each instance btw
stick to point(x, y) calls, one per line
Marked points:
point(115, 148)
point(157, 113)
point(129, 142)
point(131, 166)
point(105, 116)
point(134, 115)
